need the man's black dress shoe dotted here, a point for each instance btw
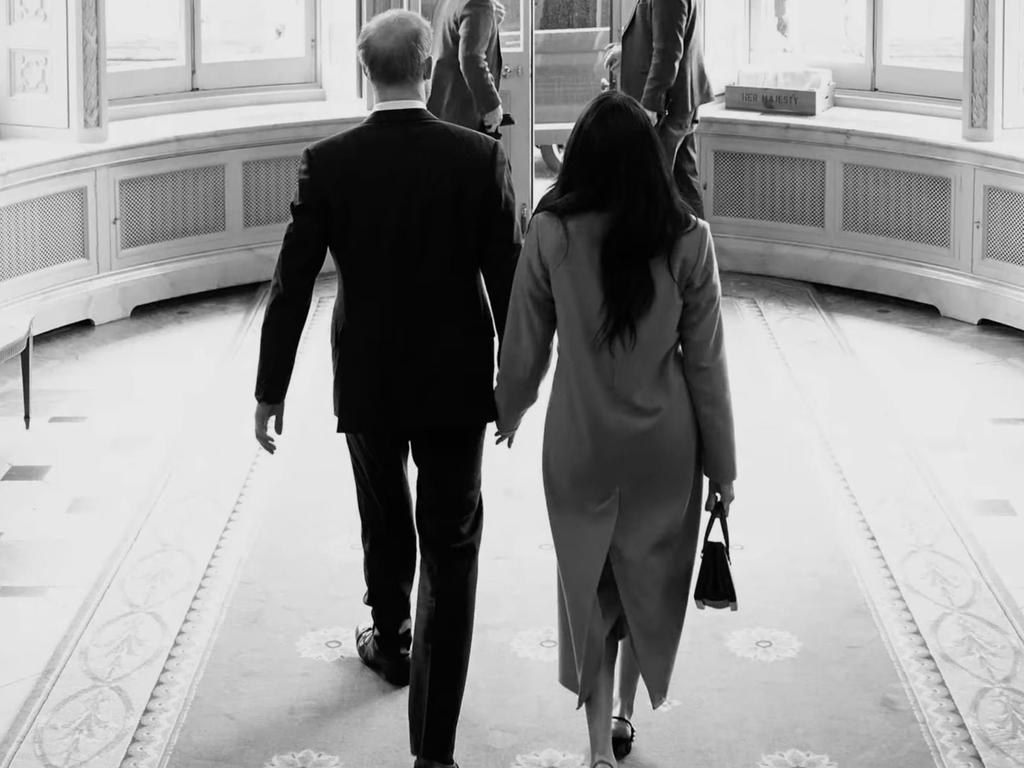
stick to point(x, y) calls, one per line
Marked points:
point(392, 666)
point(422, 762)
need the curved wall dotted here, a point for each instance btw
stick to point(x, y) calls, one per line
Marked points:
point(898, 205)
point(95, 235)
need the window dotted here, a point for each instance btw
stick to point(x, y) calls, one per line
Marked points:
point(879, 45)
point(172, 46)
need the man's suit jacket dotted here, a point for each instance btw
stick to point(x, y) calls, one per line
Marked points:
point(418, 215)
point(662, 62)
point(467, 62)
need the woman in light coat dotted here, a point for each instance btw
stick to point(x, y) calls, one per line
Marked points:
point(639, 409)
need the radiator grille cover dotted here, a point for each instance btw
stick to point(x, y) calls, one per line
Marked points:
point(898, 204)
point(1004, 226)
point(763, 187)
point(170, 206)
point(43, 232)
point(269, 187)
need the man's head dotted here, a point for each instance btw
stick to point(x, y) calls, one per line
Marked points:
point(394, 49)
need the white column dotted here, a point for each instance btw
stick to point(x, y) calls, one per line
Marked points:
point(984, 31)
point(52, 69)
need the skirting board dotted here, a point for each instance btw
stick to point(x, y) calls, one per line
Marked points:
point(113, 295)
point(961, 296)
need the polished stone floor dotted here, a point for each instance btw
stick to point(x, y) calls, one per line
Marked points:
point(116, 406)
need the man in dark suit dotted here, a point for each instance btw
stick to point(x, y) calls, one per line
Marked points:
point(467, 64)
point(419, 216)
point(662, 67)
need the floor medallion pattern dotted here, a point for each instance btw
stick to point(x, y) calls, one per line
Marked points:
point(328, 644)
point(796, 758)
point(549, 758)
point(537, 644)
point(763, 644)
point(307, 758)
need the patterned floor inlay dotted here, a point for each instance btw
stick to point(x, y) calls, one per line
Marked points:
point(207, 610)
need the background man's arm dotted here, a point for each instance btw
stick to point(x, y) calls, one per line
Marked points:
point(302, 256)
point(668, 28)
point(475, 27)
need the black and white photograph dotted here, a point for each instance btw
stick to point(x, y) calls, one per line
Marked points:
point(511, 383)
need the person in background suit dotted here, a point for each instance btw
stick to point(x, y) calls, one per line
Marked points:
point(467, 64)
point(660, 63)
point(419, 216)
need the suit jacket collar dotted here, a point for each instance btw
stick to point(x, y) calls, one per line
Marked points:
point(391, 116)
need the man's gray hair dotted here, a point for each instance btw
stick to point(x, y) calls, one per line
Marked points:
point(394, 47)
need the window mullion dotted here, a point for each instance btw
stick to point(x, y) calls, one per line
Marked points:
point(193, 11)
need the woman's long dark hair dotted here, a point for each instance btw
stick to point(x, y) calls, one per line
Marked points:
point(614, 164)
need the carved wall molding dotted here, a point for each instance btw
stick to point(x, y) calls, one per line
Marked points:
point(30, 73)
point(90, 64)
point(29, 11)
point(979, 62)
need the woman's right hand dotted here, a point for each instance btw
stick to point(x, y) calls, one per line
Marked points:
point(508, 436)
point(720, 492)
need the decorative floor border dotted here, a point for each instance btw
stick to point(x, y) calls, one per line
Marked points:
point(131, 667)
point(124, 698)
point(958, 651)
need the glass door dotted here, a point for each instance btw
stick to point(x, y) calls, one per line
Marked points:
point(570, 39)
point(516, 91)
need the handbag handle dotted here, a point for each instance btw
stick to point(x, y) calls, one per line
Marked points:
point(718, 513)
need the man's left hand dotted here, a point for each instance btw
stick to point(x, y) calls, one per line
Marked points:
point(264, 412)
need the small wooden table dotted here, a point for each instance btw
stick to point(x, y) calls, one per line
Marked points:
point(16, 339)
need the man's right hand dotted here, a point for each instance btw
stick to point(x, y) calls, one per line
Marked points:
point(492, 119)
point(264, 412)
point(612, 55)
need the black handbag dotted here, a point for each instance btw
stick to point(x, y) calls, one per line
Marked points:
point(714, 580)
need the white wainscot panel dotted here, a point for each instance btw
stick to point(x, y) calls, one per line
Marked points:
point(47, 234)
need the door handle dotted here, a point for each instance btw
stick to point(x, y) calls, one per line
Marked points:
point(510, 71)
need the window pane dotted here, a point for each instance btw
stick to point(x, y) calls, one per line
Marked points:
point(811, 31)
point(568, 54)
point(144, 35)
point(511, 27)
point(924, 33)
point(572, 14)
point(243, 30)
point(725, 41)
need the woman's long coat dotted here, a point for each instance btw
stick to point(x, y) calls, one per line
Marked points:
point(627, 436)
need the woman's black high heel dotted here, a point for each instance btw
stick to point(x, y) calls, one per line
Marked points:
point(623, 745)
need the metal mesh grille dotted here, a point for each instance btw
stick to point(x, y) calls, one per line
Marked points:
point(43, 232)
point(790, 190)
point(171, 206)
point(898, 204)
point(269, 186)
point(1004, 226)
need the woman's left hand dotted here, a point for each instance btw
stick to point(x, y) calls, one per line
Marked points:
point(510, 436)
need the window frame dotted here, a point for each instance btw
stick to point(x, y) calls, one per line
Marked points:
point(873, 74)
point(913, 81)
point(196, 76)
